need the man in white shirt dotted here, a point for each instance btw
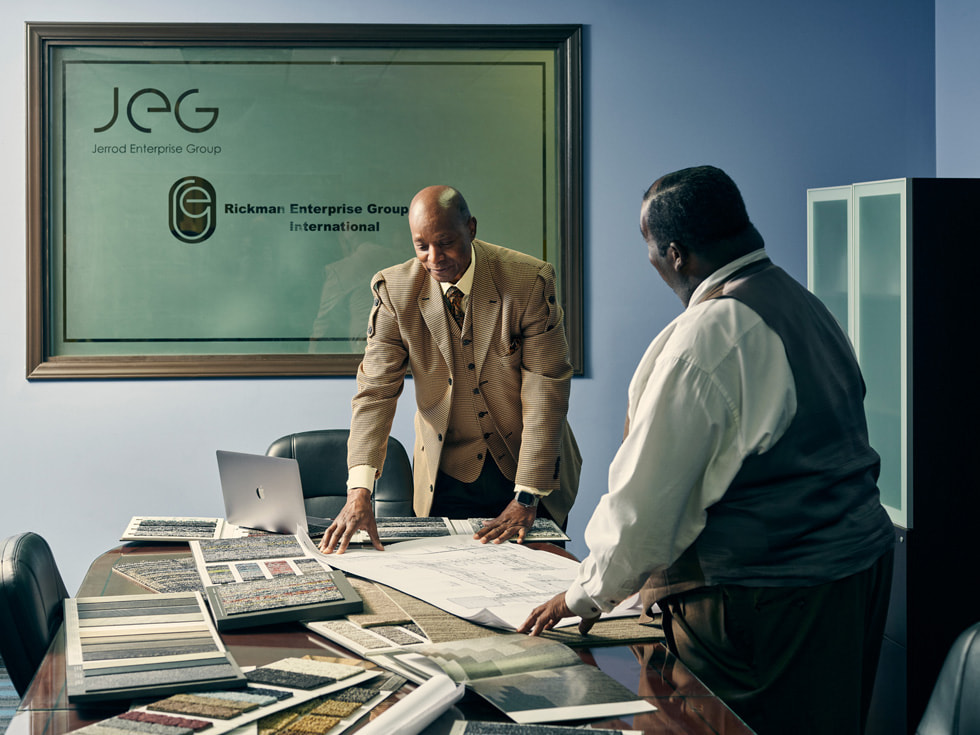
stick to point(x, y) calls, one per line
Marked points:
point(743, 499)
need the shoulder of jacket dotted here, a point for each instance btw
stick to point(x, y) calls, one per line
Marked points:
point(404, 280)
point(504, 258)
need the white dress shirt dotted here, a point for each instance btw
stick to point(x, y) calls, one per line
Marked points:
point(712, 388)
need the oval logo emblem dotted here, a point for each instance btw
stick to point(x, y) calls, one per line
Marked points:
point(192, 209)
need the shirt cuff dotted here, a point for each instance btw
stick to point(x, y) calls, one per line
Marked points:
point(532, 490)
point(580, 603)
point(361, 475)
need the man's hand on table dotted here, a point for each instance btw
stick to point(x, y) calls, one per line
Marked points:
point(515, 520)
point(545, 617)
point(356, 514)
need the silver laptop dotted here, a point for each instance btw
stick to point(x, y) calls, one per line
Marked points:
point(262, 492)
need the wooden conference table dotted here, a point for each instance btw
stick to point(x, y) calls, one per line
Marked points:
point(684, 705)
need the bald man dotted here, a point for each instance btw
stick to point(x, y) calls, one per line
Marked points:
point(482, 331)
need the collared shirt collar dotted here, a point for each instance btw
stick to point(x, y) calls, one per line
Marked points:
point(465, 283)
point(724, 273)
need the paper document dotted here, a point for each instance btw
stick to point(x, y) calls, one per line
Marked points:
point(491, 584)
point(416, 711)
point(408, 529)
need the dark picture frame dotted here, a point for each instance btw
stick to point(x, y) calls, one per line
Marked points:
point(121, 192)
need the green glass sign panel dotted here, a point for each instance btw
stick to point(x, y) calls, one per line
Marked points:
point(235, 199)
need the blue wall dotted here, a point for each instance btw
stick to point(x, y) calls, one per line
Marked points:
point(957, 88)
point(784, 96)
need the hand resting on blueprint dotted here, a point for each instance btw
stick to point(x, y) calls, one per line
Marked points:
point(547, 616)
point(356, 514)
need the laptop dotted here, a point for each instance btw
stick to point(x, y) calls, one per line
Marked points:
point(262, 492)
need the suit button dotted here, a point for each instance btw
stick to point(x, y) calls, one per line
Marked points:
point(479, 456)
point(471, 366)
point(377, 302)
point(486, 436)
point(370, 331)
point(476, 391)
point(440, 437)
point(450, 381)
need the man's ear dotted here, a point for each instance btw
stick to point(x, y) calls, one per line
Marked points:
point(677, 255)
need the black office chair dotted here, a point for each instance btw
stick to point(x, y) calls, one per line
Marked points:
point(31, 609)
point(322, 457)
point(954, 706)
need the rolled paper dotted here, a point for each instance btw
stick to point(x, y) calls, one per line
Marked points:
point(418, 710)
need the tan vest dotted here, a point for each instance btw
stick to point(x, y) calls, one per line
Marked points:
point(472, 433)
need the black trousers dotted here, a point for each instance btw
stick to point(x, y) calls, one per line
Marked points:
point(787, 660)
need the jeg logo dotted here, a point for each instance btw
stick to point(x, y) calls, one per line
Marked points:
point(163, 107)
point(193, 205)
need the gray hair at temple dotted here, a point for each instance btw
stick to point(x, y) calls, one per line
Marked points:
point(697, 207)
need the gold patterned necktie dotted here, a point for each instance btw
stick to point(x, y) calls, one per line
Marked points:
point(454, 299)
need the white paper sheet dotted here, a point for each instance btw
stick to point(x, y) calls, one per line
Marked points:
point(491, 584)
point(419, 709)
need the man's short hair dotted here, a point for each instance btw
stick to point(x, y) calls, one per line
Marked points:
point(695, 206)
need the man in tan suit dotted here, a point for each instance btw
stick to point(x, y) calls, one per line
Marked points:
point(482, 331)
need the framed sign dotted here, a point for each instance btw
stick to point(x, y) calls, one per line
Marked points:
point(212, 200)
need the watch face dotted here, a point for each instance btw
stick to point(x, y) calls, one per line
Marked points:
point(527, 499)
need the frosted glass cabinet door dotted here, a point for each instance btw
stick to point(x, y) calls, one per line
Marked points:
point(857, 258)
point(829, 254)
point(880, 334)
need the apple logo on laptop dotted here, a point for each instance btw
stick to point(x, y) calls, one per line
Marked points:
point(260, 491)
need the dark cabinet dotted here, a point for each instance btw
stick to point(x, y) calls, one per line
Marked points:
point(898, 263)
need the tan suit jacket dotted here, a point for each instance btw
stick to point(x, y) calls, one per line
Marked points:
point(522, 366)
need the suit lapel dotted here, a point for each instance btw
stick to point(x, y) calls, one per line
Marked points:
point(434, 314)
point(484, 308)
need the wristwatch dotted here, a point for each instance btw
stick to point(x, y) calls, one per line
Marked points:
point(528, 500)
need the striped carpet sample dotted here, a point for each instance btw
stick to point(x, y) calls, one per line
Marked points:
point(279, 568)
point(319, 715)
point(147, 723)
point(311, 725)
point(218, 708)
point(301, 673)
point(279, 592)
point(334, 708)
point(290, 679)
point(176, 528)
point(274, 708)
point(276, 722)
point(128, 646)
point(221, 574)
point(162, 575)
point(251, 547)
point(250, 571)
point(139, 716)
